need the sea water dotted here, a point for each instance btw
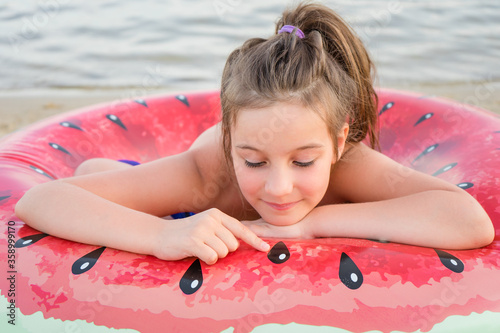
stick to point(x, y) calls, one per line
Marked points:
point(182, 45)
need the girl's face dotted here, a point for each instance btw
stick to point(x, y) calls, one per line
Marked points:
point(282, 158)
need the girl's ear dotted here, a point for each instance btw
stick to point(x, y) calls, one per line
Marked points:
point(341, 139)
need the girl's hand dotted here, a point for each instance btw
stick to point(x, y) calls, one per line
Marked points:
point(208, 235)
point(300, 229)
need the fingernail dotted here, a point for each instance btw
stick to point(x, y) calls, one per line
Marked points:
point(264, 246)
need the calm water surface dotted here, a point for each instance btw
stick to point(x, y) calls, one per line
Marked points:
point(182, 45)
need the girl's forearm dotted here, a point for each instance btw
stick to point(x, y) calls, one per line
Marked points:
point(441, 219)
point(68, 211)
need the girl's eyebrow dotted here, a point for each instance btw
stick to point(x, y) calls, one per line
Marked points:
point(308, 146)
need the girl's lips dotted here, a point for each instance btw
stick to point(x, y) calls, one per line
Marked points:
point(284, 206)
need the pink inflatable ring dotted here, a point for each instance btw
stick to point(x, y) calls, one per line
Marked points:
point(346, 284)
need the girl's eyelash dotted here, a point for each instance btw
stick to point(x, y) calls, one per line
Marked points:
point(253, 165)
point(259, 164)
point(303, 164)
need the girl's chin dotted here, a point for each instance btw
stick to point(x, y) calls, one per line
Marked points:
point(281, 217)
point(283, 220)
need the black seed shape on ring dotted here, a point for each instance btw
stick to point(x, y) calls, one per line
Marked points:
point(451, 262)
point(116, 120)
point(58, 147)
point(28, 240)
point(86, 262)
point(349, 273)
point(183, 99)
point(279, 253)
point(425, 152)
point(424, 118)
point(40, 171)
point(445, 168)
point(67, 124)
point(465, 185)
point(192, 280)
point(386, 107)
point(142, 102)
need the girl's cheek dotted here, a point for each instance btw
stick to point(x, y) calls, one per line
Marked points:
point(316, 182)
point(248, 182)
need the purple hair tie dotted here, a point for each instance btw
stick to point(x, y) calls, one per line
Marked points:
point(290, 28)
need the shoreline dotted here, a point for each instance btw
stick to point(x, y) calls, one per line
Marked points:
point(21, 108)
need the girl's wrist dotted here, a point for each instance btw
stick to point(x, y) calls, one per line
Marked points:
point(307, 225)
point(159, 236)
point(149, 236)
point(314, 222)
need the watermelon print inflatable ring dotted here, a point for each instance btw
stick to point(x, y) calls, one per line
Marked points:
point(339, 284)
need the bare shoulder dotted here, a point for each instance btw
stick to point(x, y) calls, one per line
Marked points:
point(219, 188)
point(208, 154)
point(365, 175)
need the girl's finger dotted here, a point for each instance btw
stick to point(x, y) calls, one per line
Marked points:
point(228, 238)
point(217, 245)
point(245, 234)
point(206, 254)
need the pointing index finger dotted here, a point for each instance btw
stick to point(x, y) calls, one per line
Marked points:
point(245, 234)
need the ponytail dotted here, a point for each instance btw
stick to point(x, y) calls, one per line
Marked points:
point(342, 44)
point(328, 70)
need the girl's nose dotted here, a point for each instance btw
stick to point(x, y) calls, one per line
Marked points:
point(279, 183)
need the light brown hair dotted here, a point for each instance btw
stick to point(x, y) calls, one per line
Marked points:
point(328, 71)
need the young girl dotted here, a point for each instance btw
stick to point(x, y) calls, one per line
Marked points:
point(286, 161)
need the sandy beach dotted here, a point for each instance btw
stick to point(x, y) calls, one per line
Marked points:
point(19, 109)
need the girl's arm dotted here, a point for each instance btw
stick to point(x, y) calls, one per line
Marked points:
point(121, 209)
point(434, 218)
point(393, 203)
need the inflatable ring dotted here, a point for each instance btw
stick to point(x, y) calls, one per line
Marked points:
point(346, 284)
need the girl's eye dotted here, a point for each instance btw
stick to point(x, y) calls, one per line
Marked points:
point(303, 164)
point(254, 165)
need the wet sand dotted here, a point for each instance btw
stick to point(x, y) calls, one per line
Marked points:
point(18, 109)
